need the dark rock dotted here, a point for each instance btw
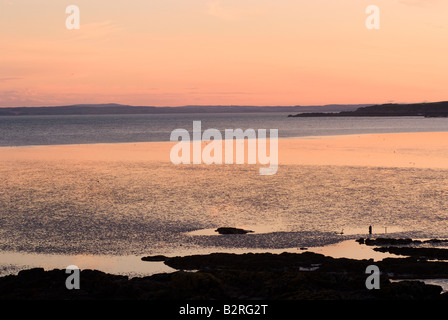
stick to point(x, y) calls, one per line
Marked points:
point(227, 230)
point(221, 276)
point(247, 261)
point(411, 290)
point(387, 241)
point(414, 268)
point(155, 258)
point(427, 253)
point(436, 241)
point(394, 241)
point(32, 273)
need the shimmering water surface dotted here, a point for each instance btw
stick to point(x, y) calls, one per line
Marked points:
point(154, 208)
point(116, 209)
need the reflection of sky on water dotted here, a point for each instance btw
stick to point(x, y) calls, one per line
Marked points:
point(121, 208)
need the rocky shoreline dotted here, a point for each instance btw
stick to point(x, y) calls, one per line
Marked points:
point(226, 276)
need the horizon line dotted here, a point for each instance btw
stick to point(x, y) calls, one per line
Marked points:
point(216, 105)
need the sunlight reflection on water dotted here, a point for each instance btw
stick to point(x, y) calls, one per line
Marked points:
point(146, 208)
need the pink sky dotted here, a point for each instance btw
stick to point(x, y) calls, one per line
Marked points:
point(247, 52)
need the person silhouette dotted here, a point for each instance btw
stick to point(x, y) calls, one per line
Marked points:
point(370, 229)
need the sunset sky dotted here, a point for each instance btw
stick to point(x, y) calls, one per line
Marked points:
point(221, 52)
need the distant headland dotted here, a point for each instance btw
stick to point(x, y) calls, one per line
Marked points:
point(428, 110)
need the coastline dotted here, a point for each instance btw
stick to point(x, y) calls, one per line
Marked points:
point(265, 277)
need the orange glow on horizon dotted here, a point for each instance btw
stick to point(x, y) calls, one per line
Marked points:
point(216, 52)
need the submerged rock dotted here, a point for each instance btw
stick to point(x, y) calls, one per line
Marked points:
point(227, 230)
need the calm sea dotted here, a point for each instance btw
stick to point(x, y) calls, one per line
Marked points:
point(106, 215)
point(55, 130)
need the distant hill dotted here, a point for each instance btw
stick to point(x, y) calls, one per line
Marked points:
point(432, 109)
point(112, 108)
